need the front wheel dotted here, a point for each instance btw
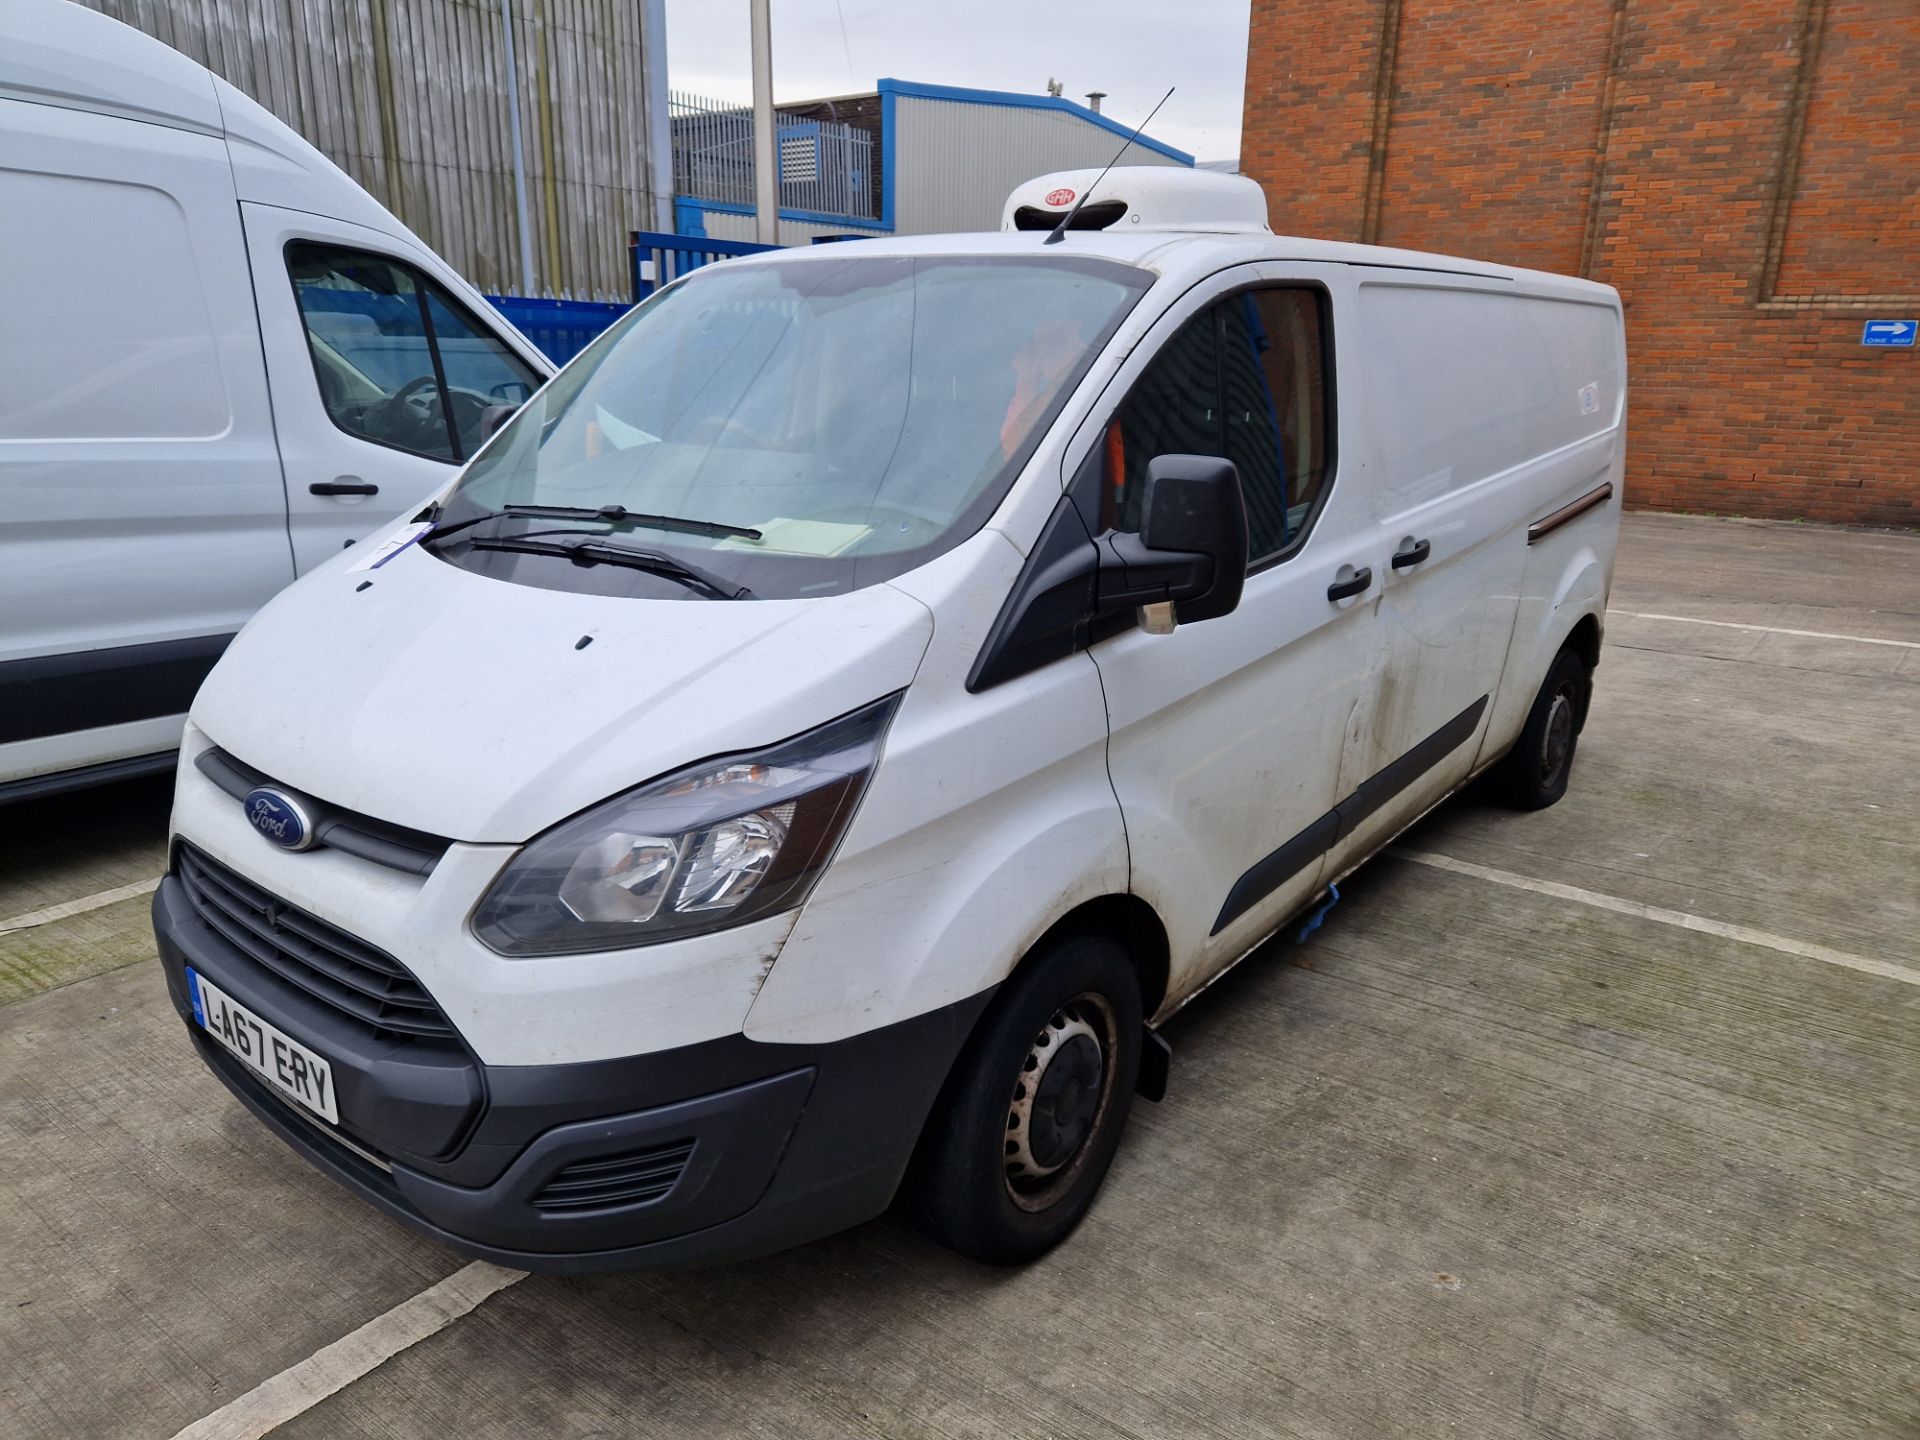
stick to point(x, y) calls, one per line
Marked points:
point(1535, 772)
point(1033, 1112)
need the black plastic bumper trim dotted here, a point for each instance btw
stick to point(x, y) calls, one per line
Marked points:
point(791, 1142)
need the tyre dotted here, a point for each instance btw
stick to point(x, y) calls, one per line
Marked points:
point(1033, 1111)
point(1535, 772)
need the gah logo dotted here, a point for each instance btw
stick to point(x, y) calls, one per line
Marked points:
point(279, 818)
point(1062, 196)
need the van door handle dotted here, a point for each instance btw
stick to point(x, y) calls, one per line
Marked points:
point(1412, 555)
point(343, 487)
point(1359, 581)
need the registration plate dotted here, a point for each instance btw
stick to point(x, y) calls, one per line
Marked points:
point(276, 1057)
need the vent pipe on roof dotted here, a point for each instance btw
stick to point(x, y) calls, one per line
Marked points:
point(1094, 97)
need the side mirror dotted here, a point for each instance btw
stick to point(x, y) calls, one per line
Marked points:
point(1192, 547)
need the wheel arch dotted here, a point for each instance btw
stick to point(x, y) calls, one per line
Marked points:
point(1132, 924)
point(1584, 641)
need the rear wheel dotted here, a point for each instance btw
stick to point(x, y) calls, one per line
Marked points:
point(1033, 1112)
point(1535, 772)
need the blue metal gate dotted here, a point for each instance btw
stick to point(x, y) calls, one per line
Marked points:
point(656, 257)
point(561, 328)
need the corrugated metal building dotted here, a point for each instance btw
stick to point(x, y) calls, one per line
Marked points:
point(410, 97)
point(947, 158)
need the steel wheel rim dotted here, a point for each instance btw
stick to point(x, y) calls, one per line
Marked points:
point(1557, 745)
point(1060, 1101)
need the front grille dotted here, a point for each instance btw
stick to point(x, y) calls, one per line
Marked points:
point(414, 852)
point(638, 1177)
point(318, 959)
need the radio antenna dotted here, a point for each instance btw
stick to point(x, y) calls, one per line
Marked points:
point(1066, 220)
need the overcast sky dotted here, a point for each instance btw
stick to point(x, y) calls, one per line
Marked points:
point(1132, 49)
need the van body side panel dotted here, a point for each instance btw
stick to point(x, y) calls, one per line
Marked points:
point(1562, 585)
point(1484, 400)
point(989, 817)
point(141, 485)
point(1568, 570)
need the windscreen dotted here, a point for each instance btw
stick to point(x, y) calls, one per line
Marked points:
point(861, 414)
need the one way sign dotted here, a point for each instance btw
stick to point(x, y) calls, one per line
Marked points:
point(1889, 332)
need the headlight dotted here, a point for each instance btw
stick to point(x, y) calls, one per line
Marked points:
point(721, 843)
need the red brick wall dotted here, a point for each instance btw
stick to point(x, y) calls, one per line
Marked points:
point(1746, 172)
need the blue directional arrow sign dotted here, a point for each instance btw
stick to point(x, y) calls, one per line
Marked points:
point(1889, 332)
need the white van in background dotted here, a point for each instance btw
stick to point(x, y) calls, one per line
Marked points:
point(838, 717)
point(221, 361)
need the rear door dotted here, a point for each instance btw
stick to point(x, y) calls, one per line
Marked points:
point(141, 512)
point(1227, 735)
point(382, 375)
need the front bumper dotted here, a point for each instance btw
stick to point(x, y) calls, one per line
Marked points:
point(708, 1152)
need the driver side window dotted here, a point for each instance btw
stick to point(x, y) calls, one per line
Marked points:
point(398, 361)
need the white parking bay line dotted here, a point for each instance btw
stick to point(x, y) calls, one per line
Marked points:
point(299, 1388)
point(1743, 933)
point(1769, 629)
point(79, 907)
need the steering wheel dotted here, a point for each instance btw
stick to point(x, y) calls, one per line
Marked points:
point(469, 409)
point(407, 391)
point(403, 412)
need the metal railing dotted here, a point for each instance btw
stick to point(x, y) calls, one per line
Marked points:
point(656, 257)
point(824, 166)
point(561, 328)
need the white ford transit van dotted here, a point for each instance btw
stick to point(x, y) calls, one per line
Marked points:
point(220, 362)
point(812, 744)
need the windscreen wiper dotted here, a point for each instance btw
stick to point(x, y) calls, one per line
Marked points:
point(612, 515)
point(599, 552)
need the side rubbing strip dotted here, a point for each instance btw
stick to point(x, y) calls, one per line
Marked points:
point(1269, 874)
point(1599, 495)
point(1377, 789)
point(53, 694)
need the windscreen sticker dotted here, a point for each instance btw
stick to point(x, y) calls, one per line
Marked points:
point(387, 549)
point(802, 537)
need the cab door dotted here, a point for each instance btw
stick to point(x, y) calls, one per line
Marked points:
point(1227, 735)
point(382, 377)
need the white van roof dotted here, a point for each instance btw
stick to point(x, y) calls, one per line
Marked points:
point(53, 52)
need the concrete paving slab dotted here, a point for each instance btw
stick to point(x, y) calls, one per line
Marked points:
point(1767, 572)
point(160, 1252)
point(67, 848)
point(1785, 800)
